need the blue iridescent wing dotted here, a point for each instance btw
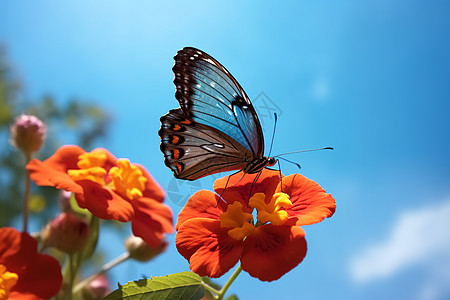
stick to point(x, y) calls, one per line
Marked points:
point(193, 150)
point(209, 94)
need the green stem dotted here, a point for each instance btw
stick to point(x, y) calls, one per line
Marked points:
point(120, 259)
point(72, 276)
point(26, 194)
point(221, 293)
point(211, 289)
point(230, 281)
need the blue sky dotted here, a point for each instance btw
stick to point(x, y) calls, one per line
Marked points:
point(369, 78)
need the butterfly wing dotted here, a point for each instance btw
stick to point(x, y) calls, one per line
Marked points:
point(193, 150)
point(209, 94)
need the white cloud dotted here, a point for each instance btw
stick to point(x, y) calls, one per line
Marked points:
point(416, 238)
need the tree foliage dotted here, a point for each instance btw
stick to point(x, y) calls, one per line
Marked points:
point(82, 123)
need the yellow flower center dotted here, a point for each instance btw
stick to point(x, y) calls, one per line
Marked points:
point(128, 179)
point(7, 281)
point(91, 167)
point(273, 211)
point(239, 221)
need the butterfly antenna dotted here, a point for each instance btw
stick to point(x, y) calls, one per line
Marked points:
point(290, 161)
point(273, 133)
point(308, 150)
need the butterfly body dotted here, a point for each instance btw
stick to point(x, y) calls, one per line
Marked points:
point(216, 128)
point(258, 163)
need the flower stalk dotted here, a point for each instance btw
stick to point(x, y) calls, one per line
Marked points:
point(26, 196)
point(27, 134)
point(229, 282)
point(116, 261)
point(72, 275)
point(220, 294)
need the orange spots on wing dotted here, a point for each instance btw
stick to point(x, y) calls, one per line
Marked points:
point(175, 139)
point(186, 122)
point(176, 153)
point(178, 166)
point(176, 127)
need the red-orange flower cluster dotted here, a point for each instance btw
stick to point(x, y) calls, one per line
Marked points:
point(110, 188)
point(24, 273)
point(215, 237)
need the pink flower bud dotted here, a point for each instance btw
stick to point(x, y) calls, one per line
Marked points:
point(96, 289)
point(67, 233)
point(140, 251)
point(27, 133)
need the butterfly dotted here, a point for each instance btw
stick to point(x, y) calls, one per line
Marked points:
point(216, 128)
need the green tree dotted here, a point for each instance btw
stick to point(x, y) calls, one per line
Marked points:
point(80, 121)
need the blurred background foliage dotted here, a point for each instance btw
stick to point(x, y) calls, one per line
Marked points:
point(77, 121)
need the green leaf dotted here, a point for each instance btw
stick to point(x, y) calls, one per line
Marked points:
point(179, 286)
point(232, 297)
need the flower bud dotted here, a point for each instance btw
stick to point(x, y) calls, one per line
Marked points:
point(67, 233)
point(27, 133)
point(140, 251)
point(96, 289)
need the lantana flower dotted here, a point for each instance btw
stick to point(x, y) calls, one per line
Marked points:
point(25, 273)
point(110, 188)
point(214, 233)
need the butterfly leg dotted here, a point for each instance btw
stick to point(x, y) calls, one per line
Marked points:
point(226, 184)
point(253, 183)
point(281, 176)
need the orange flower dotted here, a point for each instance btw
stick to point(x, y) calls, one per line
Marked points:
point(110, 188)
point(24, 273)
point(213, 238)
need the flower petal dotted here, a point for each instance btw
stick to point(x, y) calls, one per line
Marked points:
point(201, 205)
point(152, 189)
point(39, 274)
point(241, 184)
point(14, 295)
point(42, 276)
point(207, 247)
point(272, 251)
point(10, 243)
point(104, 203)
point(151, 221)
point(53, 171)
point(310, 203)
